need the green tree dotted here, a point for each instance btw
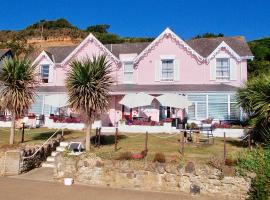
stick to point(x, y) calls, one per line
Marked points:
point(17, 78)
point(99, 28)
point(254, 98)
point(209, 35)
point(88, 84)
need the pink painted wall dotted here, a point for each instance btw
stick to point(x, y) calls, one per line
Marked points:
point(190, 71)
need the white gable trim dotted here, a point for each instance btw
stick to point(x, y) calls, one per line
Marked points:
point(228, 48)
point(168, 33)
point(90, 38)
point(42, 55)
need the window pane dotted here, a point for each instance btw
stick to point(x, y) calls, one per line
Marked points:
point(128, 71)
point(45, 71)
point(191, 111)
point(222, 69)
point(37, 105)
point(218, 106)
point(167, 69)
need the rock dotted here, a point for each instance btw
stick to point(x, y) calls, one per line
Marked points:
point(190, 167)
point(171, 169)
point(195, 189)
point(99, 164)
point(131, 175)
point(228, 170)
point(160, 168)
point(85, 164)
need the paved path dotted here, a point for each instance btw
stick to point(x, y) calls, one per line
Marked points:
point(22, 189)
point(38, 174)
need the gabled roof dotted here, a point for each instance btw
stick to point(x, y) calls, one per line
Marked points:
point(93, 39)
point(168, 33)
point(201, 48)
point(42, 55)
point(127, 48)
point(205, 46)
point(3, 52)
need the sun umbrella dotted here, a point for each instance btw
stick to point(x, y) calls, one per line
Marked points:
point(174, 100)
point(134, 100)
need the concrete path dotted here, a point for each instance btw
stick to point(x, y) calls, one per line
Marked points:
point(38, 174)
point(22, 189)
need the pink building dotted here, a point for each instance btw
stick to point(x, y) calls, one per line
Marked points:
point(208, 71)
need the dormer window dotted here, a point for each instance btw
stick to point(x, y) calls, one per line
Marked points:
point(167, 70)
point(222, 69)
point(45, 73)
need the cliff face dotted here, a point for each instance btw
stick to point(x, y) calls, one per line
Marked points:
point(53, 41)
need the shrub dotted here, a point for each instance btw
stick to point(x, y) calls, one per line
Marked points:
point(230, 162)
point(257, 161)
point(159, 157)
point(125, 156)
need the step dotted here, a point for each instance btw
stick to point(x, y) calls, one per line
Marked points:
point(50, 159)
point(64, 144)
point(60, 149)
point(48, 164)
point(55, 153)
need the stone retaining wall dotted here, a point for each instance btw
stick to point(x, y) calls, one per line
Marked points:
point(1, 163)
point(27, 164)
point(151, 176)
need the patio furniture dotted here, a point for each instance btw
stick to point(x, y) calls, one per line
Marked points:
point(75, 147)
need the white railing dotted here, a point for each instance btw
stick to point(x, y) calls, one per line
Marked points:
point(62, 129)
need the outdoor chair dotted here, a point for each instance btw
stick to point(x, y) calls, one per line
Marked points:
point(75, 147)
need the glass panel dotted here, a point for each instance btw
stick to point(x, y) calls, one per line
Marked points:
point(128, 71)
point(45, 71)
point(235, 111)
point(201, 110)
point(191, 111)
point(200, 101)
point(218, 106)
point(222, 69)
point(167, 69)
point(36, 108)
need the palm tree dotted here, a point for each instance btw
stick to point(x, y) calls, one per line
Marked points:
point(254, 98)
point(88, 84)
point(17, 78)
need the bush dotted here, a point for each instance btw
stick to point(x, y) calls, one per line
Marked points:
point(230, 162)
point(257, 161)
point(125, 156)
point(159, 157)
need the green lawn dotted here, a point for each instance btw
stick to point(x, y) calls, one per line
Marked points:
point(33, 136)
point(134, 143)
point(170, 147)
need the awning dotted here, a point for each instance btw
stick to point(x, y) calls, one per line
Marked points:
point(134, 100)
point(174, 100)
point(56, 100)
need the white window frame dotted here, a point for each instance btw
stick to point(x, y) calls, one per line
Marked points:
point(41, 73)
point(161, 70)
point(222, 78)
point(129, 71)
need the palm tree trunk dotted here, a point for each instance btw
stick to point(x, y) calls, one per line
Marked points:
point(88, 137)
point(12, 130)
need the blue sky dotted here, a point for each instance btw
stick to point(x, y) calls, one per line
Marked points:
point(147, 18)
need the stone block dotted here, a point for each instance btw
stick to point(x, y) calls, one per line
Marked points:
point(190, 167)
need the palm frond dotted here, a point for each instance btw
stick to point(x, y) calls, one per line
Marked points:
point(88, 83)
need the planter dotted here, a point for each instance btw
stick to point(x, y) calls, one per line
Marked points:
point(167, 124)
point(68, 181)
